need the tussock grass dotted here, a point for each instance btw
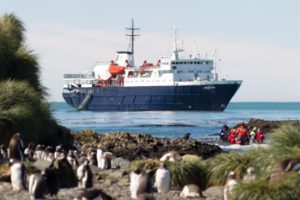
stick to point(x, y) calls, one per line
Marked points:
point(188, 172)
point(23, 109)
point(219, 166)
point(288, 188)
point(148, 165)
point(285, 143)
point(182, 172)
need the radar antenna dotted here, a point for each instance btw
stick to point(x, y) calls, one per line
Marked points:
point(132, 35)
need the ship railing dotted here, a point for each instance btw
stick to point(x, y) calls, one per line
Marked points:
point(78, 76)
point(207, 82)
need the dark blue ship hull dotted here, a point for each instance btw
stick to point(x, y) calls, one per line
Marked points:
point(212, 97)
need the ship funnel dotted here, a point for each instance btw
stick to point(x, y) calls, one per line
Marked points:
point(125, 58)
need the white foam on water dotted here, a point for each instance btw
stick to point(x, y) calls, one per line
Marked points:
point(241, 148)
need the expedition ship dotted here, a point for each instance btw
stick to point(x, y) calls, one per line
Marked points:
point(173, 83)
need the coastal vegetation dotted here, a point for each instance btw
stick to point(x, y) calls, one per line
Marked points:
point(23, 107)
point(275, 178)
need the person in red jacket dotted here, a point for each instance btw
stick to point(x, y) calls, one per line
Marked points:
point(232, 135)
point(259, 136)
point(242, 134)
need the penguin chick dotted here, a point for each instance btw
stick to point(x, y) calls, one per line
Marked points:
point(190, 191)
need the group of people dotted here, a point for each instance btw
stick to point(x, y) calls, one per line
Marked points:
point(242, 135)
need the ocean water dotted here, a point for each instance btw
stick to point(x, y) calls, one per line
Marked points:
point(172, 123)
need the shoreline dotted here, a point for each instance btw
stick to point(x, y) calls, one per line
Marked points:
point(145, 150)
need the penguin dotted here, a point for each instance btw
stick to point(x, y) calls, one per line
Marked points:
point(71, 159)
point(92, 158)
point(39, 151)
point(94, 194)
point(134, 182)
point(50, 157)
point(190, 191)
point(250, 176)
point(85, 176)
point(37, 186)
point(58, 152)
point(47, 151)
point(162, 179)
point(144, 190)
point(52, 183)
point(171, 156)
point(16, 147)
point(17, 176)
point(3, 154)
point(230, 184)
point(104, 159)
point(140, 184)
point(29, 152)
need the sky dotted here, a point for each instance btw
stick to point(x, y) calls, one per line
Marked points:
point(258, 41)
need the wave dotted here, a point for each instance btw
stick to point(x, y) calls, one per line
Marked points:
point(166, 125)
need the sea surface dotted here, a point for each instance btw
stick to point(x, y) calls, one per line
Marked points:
point(173, 123)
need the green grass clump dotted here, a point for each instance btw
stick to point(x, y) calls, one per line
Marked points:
point(182, 172)
point(148, 165)
point(219, 166)
point(288, 188)
point(285, 143)
point(188, 172)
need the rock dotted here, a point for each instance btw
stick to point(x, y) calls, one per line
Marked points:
point(41, 164)
point(214, 193)
point(269, 126)
point(4, 172)
point(137, 146)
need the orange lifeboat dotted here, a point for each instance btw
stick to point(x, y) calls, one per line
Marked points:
point(116, 69)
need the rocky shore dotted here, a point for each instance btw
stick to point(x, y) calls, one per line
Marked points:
point(129, 147)
point(268, 126)
point(137, 146)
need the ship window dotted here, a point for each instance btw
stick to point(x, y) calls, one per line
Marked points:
point(173, 67)
point(191, 62)
point(207, 62)
point(184, 62)
point(176, 63)
point(173, 63)
point(201, 63)
point(180, 62)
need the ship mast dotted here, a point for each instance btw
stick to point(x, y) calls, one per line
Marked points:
point(175, 50)
point(132, 35)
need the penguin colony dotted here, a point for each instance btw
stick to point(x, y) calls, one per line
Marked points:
point(141, 186)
